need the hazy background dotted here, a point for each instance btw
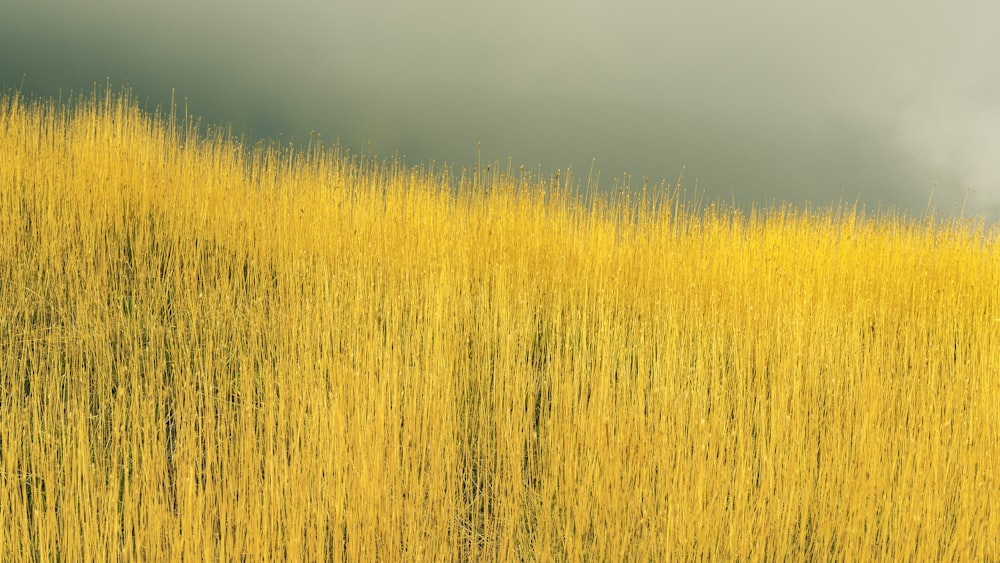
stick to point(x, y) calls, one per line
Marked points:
point(787, 99)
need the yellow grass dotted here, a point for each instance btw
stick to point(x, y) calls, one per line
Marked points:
point(210, 352)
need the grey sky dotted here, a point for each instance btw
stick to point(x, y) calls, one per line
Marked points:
point(776, 99)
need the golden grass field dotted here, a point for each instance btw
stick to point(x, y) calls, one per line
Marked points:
point(216, 352)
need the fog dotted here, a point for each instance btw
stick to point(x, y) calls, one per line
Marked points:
point(797, 101)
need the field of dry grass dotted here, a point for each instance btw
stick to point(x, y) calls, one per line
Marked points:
point(215, 352)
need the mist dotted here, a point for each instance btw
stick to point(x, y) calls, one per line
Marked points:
point(886, 104)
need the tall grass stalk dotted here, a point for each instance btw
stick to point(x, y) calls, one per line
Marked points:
point(216, 352)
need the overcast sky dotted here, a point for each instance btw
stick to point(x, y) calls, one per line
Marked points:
point(775, 99)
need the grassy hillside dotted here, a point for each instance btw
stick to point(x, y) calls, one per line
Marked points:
point(210, 351)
